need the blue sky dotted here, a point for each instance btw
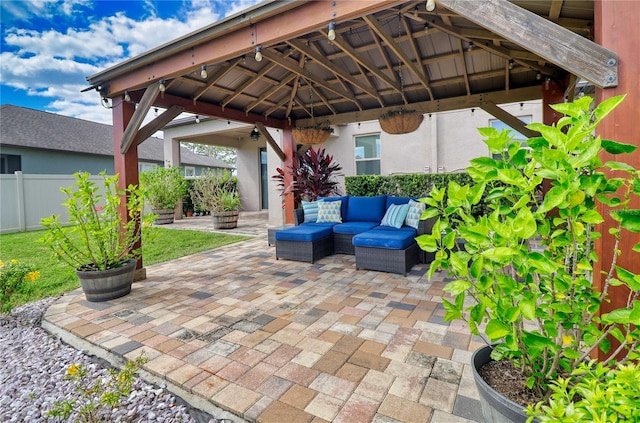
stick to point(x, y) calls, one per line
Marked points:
point(49, 47)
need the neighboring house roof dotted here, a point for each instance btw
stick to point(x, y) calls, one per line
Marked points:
point(24, 127)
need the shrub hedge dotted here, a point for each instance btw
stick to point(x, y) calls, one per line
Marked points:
point(408, 185)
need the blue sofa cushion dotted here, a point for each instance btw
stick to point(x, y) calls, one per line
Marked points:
point(366, 209)
point(396, 200)
point(386, 237)
point(352, 228)
point(344, 205)
point(307, 232)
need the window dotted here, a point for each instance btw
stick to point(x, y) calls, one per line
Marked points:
point(517, 136)
point(10, 163)
point(146, 166)
point(499, 125)
point(189, 171)
point(367, 155)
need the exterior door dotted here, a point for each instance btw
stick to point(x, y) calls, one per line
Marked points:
point(264, 179)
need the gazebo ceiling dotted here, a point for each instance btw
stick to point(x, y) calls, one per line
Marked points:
point(462, 54)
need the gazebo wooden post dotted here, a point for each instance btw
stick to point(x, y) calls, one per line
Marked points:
point(616, 28)
point(125, 165)
point(289, 149)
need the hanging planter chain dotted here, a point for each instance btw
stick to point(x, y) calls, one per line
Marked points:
point(400, 121)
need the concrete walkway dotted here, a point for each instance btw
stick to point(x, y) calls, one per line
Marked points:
point(242, 335)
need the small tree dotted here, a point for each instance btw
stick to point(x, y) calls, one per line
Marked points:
point(313, 176)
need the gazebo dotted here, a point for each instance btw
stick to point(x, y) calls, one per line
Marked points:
point(291, 64)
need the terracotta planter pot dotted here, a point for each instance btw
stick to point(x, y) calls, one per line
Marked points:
point(105, 285)
point(225, 220)
point(165, 216)
point(495, 407)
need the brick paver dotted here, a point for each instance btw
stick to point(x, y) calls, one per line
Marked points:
point(284, 341)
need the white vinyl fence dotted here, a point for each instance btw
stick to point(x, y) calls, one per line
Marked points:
point(25, 199)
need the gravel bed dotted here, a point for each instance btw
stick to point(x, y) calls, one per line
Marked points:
point(33, 364)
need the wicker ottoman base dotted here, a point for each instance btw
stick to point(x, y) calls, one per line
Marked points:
point(385, 260)
point(304, 251)
point(342, 244)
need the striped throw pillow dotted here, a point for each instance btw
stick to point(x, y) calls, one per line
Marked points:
point(395, 215)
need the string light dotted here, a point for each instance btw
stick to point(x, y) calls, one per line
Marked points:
point(203, 72)
point(538, 76)
point(228, 124)
point(331, 35)
point(431, 5)
point(471, 46)
point(161, 86)
point(127, 97)
point(511, 64)
point(258, 56)
point(197, 119)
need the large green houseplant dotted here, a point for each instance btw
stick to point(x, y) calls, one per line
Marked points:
point(164, 187)
point(523, 275)
point(218, 193)
point(99, 243)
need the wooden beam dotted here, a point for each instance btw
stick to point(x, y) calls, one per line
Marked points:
point(272, 143)
point(157, 124)
point(351, 52)
point(292, 66)
point(213, 110)
point(550, 41)
point(270, 92)
point(275, 22)
point(322, 61)
point(398, 51)
point(441, 105)
point(226, 68)
point(555, 9)
point(506, 117)
point(149, 96)
point(249, 82)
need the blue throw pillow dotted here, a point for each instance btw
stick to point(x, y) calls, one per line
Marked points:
point(329, 212)
point(395, 215)
point(310, 209)
point(415, 211)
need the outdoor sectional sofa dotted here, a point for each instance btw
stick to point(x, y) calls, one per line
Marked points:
point(379, 230)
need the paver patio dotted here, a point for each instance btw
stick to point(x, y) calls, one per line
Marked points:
point(281, 341)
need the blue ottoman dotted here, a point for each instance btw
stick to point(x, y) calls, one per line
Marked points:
point(306, 242)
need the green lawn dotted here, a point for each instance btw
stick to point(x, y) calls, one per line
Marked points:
point(57, 278)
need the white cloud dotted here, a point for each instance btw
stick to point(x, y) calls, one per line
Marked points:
point(54, 64)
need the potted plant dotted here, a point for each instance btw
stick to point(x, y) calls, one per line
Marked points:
point(313, 175)
point(522, 275)
point(400, 121)
point(163, 188)
point(99, 244)
point(218, 193)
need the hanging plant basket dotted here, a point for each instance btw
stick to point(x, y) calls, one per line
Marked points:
point(400, 121)
point(311, 135)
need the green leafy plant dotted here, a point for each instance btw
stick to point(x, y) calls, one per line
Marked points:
point(99, 238)
point(215, 192)
point(539, 303)
point(163, 186)
point(13, 277)
point(313, 175)
point(96, 396)
point(593, 393)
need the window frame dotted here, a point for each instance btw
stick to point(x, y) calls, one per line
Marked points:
point(368, 159)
